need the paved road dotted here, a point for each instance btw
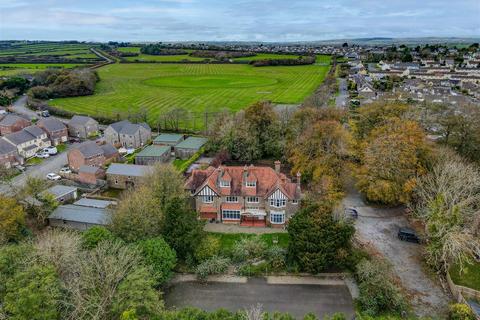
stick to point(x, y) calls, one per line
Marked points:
point(378, 227)
point(296, 299)
point(52, 164)
point(20, 107)
point(341, 99)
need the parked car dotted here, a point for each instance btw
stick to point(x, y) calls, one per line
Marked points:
point(65, 170)
point(20, 168)
point(407, 234)
point(43, 113)
point(42, 154)
point(51, 150)
point(351, 213)
point(53, 176)
point(73, 139)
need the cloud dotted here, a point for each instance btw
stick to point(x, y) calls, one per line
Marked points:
point(258, 20)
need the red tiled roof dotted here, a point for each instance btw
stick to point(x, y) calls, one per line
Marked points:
point(208, 209)
point(231, 206)
point(267, 181)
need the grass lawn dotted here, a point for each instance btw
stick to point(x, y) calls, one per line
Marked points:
point(227, 240)
point(112, 193)
point(469, 278)
point(29, 68)
point(158, 88)
point(34, 161)
point(61, 147)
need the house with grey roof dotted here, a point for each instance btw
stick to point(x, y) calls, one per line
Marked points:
point(168, 139)
point(189, 147)
point(57, 132)
point(62, 193)
point(89, 153)
point(95, 203)
point(29, 140)
point(12, 123)
point(82, 127)
point(153, 154)
point(124, 176)
point(8, 154)
point(127, 134)
point(79, 217)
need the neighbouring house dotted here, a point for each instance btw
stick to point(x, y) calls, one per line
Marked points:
point(29, 140)
point(245, 195)
point(9, 154)
point(79, 217)
point(168, 139)
point(153, 154)
point(11, 123)
point(189, 147)
point(57, 132)
point(62, 193)
point(82, 127)
point(89, 174)
point(127, 134)
point(124, 176)
point(91, 154)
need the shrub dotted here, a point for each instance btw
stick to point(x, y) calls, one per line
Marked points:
point(460, 311)
point(215, 265)
point(378, 292)
point(161, 258)
point(249, 249)
point(208, 248)
point(254, 270)
point(276, 257)
point(94, 235)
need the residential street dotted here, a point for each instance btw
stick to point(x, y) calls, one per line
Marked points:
point(296, 299)
point(378, 227)
point(52, 164)
point(19, 106)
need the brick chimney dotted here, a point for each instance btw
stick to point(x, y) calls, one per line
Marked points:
point(277, 166)
point(299, 179)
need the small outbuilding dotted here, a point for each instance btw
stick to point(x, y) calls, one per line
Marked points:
point(95, 203)
point(168, 139)
point(152, 154)
point(62, 193)
point(124, 176)
point(78, 217)
point(90, 174)
point(189, 147)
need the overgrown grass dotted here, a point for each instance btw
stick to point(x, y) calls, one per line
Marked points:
point(34, 161)
point(469, 278)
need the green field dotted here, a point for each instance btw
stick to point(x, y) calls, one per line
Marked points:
point(469, 278)
point(9, 69)
point(195, 87)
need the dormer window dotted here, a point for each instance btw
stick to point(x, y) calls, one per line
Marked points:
point(224, 184)
point(251, 183)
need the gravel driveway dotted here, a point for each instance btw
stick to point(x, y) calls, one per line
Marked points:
point(378, 227)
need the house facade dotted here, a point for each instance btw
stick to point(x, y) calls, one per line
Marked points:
point(82, 127)
point(89, 153)
point(8, 154)
point(248, 195)
point(12, 123)
point(57, 132)
point(127, 134)
point(29, 140)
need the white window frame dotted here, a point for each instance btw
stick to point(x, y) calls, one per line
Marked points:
point(278, 203)
point(231, 199)
point(207, 199)
point(255, 200)
point(251, 184)
point(274, 217)
point(224, 183)
point(230, 214)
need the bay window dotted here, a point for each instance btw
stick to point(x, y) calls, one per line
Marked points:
point(277, 217)
point(230, 215)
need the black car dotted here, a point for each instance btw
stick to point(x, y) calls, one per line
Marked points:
point(407, 234)
point(351, 213)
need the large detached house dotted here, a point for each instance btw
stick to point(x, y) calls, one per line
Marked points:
point(127, 134)
point(247, 195)
point(57, 132)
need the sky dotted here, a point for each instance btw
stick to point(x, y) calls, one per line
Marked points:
point(236, 20)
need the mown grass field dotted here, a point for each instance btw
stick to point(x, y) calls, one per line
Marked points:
point(194, 87)
point(8, 69)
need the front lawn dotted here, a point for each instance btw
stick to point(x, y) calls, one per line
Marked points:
point(228, 240)
point(469, 278)
point(61, 147)
point(34, 161)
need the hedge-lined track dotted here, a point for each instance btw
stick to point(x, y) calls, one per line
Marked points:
point(125, 87)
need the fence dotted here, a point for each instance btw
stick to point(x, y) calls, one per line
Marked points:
point(460, 293)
